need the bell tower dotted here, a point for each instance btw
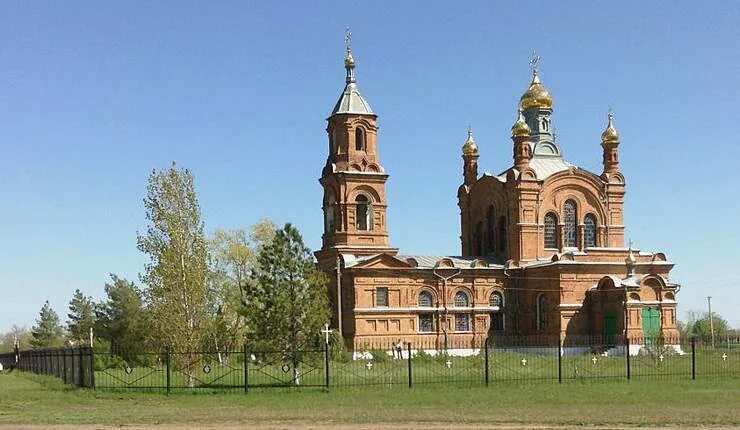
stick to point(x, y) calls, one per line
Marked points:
point(353, 179)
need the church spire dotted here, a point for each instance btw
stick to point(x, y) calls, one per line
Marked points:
point(350, 101)
point(610, 144)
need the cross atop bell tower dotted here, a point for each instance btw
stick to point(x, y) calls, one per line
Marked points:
point(353, 179)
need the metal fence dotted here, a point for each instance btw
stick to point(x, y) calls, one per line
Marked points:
point(496, 360)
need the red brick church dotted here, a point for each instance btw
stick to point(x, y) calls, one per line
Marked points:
point(542, 244)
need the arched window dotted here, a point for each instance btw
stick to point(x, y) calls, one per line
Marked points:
point(363, 213)
point(426, 300)
point(329, 214)
point(589, 231)
point(478, 239)
point(332, 142)
point(551, 232)
point(569, 230)
point(490, 227)
point(461, 299)
point(502, 235)
point(359, 139)
point(541, 312)
point(496, 299)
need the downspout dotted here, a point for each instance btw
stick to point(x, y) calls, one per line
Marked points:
point(444, 280)
point(339, 297)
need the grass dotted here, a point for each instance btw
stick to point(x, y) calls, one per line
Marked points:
point(43, 400)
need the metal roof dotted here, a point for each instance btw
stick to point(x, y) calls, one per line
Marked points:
point(352, 102)
point(430, 261)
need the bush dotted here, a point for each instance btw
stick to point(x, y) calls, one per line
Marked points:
point(380, 356)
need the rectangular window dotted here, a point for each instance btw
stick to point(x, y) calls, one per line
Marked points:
point(381, 297)
point(426, 323)
point(462, 322)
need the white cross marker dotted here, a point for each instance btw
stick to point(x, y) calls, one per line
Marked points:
point(369, 365)
point(524, 362)
point(448, 363)
point(660, 357)
point(594, 360)
point(326, 332)
point(724, 356)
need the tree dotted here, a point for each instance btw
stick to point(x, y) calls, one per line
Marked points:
point(81, 318)
point(47, 332)
point(232, 255)
point(702, 327)
point(121, 318)
point(287, 301)
point(176, 272)
point(20, 334)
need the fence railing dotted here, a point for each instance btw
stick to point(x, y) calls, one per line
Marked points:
point(497, 360)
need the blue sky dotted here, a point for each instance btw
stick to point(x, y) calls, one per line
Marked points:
point(94, 95)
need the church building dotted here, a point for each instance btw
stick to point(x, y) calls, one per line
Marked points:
point(542, 252)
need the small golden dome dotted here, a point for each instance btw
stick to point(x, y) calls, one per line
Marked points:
point(536, 95)
point(470, 147)
point(610, 135)
point(631, 259)
point(349, 61)
point(520, 127)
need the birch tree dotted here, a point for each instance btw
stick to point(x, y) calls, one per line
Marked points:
point(176, 272)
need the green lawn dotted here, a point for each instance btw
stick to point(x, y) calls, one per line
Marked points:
point(26, 398)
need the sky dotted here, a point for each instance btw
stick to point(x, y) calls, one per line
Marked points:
point(94, 95)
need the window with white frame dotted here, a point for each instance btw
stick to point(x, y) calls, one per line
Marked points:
point(426, 300)
point(461, 299)
point(551, 238)
point(462, 322)
point(570, 233)
point(426, 322)
point(589, 231)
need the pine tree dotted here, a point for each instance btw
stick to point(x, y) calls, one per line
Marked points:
point(176, 272)
point(287, 302)
point(81, 318)
point(47, 332)
point(121, 319)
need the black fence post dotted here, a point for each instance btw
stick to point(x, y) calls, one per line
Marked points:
point(64, 355)
point(246, 369)
point(560, 362)
point(408, 349)
point(326, 364)
point(81, 370)
point(167, 365)
point(485, 346)
point(627, 351)
point(693, 358)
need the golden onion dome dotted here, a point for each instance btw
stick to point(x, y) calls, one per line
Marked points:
point(536, 95)
point(520, 127)
point(470, 147)
point(610, 135)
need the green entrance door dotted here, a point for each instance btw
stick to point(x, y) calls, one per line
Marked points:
point(610, 326)
point(650, 324)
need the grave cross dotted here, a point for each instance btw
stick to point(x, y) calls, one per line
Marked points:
point(524, 361)
point(724, 356)
point(594, 360)
point(326, 332)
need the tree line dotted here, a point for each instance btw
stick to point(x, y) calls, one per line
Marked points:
point(258, 287)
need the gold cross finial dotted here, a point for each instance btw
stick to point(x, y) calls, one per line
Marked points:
point(630, 243)
point(534, 62)
point(348, 41)
point(611, 114)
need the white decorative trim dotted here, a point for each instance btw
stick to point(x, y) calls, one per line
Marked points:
point(450, 309)
point(570, 305)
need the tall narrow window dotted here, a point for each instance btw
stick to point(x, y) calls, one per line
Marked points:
point(359, 139)
point(496, 300)
point(363, 213)
point(551, 238)
point(381, 297)
point(478, 239)
point(569, 230)
point(490, 227)
point(589, 231)
point(502, 235)
point(332, 142)
point(541, 312)
point(329, 214)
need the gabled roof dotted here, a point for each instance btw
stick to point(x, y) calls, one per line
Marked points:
point(420, 261)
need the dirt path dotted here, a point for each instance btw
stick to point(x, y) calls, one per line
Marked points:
point(317, 426)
